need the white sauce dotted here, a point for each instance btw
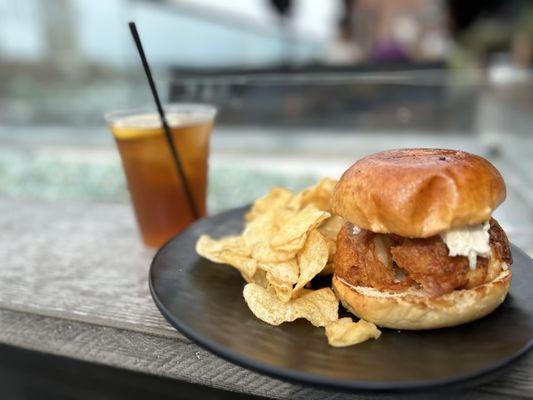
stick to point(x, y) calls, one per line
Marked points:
point(356, 230)
point(470, 242)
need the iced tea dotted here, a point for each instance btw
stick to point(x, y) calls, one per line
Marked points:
point(158, 195)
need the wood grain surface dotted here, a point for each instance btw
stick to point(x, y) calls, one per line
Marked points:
point(179, 359)
point(73, 282)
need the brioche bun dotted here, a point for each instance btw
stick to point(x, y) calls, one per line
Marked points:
point(418, 192)
point(414, 310)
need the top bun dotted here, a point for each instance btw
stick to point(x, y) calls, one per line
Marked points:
point(418, 192)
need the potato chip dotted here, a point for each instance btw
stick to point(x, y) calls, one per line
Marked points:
point(277, 197)
point(318, 195)
point(264, 253)
point(257, 236)
point(293, 233)
point(260, 230)
point(227, 243)
point(282, 276)
point(260, 278)
point(344, 332)
point(282, 289)
point(267, 225)
point(286, 271)
point(326, 185)
point(231, 250)
point(312, 259)
point(332, 248)
point(319, 307)
point(330, 227)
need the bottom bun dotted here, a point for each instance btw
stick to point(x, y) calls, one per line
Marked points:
point(414, 310)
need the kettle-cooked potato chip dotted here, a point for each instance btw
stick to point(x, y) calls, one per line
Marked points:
point(260, 230)
point(332, 248)
point(282, 276)
point(227, 243)
point(330, 227)
point(293, 233)
point(319, 307)
point(264, 253)
point(318, 195)
point(276, 198)
point(260, 278)
point(229, 250)
point(282, 289)
point(258, 236)
point(312, 259)
point(286, 271)
point(344, 332)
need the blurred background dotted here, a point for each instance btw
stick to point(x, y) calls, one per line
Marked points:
point(303, 87)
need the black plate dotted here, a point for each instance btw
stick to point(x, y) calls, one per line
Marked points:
point(204, 302)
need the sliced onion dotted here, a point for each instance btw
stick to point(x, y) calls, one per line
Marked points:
point(383, 244)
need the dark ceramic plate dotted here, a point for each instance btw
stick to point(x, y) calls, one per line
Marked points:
point(204, 302)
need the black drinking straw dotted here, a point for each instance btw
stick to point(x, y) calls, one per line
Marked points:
point(166, 128)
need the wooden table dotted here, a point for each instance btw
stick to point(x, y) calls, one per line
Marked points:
point(74, 284)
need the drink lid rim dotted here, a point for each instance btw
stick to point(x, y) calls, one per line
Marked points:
point(205, 110)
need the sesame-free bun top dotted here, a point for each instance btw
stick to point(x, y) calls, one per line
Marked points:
point(418, 192)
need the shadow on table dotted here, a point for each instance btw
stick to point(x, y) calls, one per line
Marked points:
point(26, 374)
